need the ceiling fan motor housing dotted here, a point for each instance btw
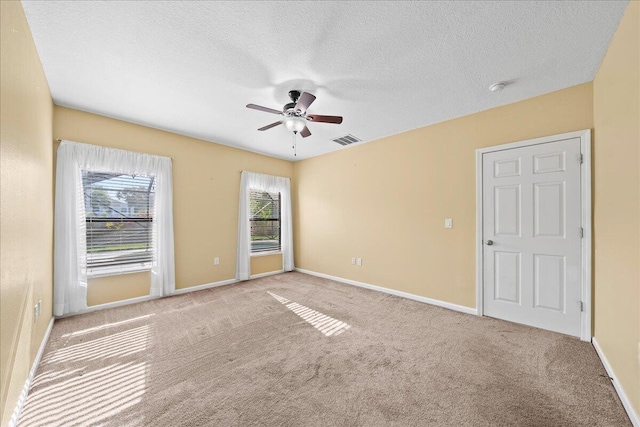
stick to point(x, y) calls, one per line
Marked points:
point(288, 109)
point(294, 95)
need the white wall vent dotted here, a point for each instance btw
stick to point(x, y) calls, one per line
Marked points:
point(346, 140)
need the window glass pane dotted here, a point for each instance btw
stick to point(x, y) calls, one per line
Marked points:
point(264, 218)
point(119, 211)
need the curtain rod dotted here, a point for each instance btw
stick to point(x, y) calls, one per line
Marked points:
point(59, 140)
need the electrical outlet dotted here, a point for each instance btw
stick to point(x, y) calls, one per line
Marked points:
point(216, 261)
point(448, 223)
point(353, 261)
point(35, 313)
point(359, 261)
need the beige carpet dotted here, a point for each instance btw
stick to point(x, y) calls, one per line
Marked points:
point(296, 350)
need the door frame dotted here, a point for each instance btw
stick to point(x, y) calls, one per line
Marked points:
point(585, 197)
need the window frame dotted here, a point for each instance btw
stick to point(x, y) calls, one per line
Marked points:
point(267, 252)
point(124, 268)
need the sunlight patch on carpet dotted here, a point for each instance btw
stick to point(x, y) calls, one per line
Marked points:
point(118, 344)
point(73, 334)
point(325, 324)
point(90, 380)
point(84, 400)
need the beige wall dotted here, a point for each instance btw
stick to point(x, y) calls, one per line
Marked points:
point(266, 263)
point(386, 201)
point(26, 205)
point(206, 185)
point(103, 290)
point(616, 105)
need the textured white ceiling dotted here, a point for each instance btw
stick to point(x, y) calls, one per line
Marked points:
point(387, 67)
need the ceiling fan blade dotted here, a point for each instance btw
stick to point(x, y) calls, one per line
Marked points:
point(325, 119)
point(305, 132)
point(265, 109)
point(304, 101)
point(272, 125)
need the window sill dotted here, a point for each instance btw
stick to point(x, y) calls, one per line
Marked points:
point(116, 271)
point(266, 253)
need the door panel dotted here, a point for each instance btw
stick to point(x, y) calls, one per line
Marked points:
point(548, 209)
point(505, 168)
point(532, 215)
point(507, 210)
point(549, 282)
point(507, 283)
point(548, 162)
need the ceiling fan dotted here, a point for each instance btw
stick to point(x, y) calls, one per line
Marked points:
point(295, 114)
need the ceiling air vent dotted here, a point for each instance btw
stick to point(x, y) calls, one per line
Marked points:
point(346, 140)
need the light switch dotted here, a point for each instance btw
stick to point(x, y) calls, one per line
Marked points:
point(448, 223)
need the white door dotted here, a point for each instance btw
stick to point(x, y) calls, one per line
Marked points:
point(532, 235)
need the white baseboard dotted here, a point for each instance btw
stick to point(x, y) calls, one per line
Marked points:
point(633, 416)
point(176, 292)
point(268, 273)
point(109, 305)
point(148, 298)
point(202, 287)
point(25, 390)
point(407, 295)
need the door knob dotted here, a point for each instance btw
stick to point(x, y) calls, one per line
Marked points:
point(490, 242)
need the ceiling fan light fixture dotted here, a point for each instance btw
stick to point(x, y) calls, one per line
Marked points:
point(294, 123)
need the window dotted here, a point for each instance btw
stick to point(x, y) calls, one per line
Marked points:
point(264, 218)
point(119, 212)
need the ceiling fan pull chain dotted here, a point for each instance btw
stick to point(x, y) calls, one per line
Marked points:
point(294, 145)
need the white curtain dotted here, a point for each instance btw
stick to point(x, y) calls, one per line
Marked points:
point(70, 253)
point(271, 184)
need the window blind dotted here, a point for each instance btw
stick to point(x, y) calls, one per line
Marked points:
point(119, 216)
point(264, 218)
